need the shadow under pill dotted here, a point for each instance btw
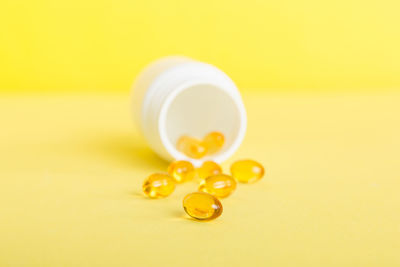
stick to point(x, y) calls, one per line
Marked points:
point(137, 194)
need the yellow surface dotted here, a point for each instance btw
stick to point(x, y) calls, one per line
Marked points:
point(102, 44)
point(72, 168)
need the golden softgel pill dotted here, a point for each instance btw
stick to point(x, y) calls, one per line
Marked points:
point(208, 168)
point(202, 206)
point(159, 185)
point(214, 141)
point(220, 185)
point(191, 147)
point(247, 171)
point(181, 170)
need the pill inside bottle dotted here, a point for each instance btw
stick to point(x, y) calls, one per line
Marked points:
point(178, 96)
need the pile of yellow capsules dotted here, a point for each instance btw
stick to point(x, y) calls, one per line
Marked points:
point(204, 204)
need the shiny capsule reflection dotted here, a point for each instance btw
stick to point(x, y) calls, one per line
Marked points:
point(191, 147)
point(208, 168)
point(158, 185)
point(220, 185)
point(202, 206)
point(247, 171)
point(181, 170)
point(214, 141)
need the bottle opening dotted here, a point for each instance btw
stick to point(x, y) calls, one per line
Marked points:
point(198, 109)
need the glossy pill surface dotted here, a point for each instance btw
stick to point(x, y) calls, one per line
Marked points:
point(202, 206)
point(214, 141)
point(181, 170)
point(208, 168)
point(247, 171)
point(159, 185)
point(220, 185)
point(191, 147)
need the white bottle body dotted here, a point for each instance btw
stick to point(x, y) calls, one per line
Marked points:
point(177, 96)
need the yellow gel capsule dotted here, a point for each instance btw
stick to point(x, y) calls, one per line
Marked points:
point(181, 170)
point(158, 185)
point(208, 168)
point(191, 147)
point(202, 206)
point(213, 141)
point(220, 185)
point(247, 171)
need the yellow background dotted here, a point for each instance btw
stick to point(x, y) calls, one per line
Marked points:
point(72, 168)
point(48, 45)
point(72, 164)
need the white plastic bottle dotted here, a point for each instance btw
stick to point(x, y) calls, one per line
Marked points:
point(177, 96)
